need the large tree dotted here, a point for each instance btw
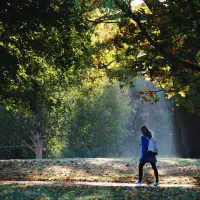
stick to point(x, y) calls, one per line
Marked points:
point(40, 40)
point(158, 39)
point(43, 48)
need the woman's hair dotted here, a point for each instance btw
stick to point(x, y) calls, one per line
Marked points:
point(145, 131)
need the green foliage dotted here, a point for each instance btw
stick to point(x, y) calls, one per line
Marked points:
point(18, 130)
point(42, 50)
point(42, 43)
point(98, 122)
point(157, 39)
point(91, 121)
point(56, 58)
point(11, 135)
point(54, 147)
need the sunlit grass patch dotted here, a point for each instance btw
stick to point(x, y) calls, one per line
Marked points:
point(180, 161)
point(123, 170)
point(189, 162)
point(178, 180)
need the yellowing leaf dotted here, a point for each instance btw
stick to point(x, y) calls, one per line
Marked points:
point(182, 93)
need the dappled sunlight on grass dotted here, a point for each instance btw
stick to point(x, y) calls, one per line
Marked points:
point(56, 172)
point(99, 170)
point(103, 161)
point(179, 172)
point(178, 180)
point(168, 161)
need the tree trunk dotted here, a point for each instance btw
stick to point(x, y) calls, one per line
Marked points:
point(38, 152)
point(186, 133)
point(38, 145)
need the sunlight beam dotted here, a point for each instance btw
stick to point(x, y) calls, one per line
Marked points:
point(139, 2)
point(136, 2)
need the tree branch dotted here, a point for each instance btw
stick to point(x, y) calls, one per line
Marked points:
point(178, 1)
point(28, 145)
point(102, 65)
point(177, 89)
point(176, 62)
point(194, 15)
point(104, 19)
point(175, 34)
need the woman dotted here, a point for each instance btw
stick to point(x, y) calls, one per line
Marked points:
point(145, 158)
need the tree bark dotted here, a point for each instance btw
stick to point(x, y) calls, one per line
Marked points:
point(186, 133)
point(38, 153)
point(38, 145)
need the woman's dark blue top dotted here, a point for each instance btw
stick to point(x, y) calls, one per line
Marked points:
point(145, 158)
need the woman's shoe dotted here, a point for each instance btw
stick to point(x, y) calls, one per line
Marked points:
point(156, 183)
point(138, 183)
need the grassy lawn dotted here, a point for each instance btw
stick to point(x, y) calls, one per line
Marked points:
point(24, 192)
point(172, 171)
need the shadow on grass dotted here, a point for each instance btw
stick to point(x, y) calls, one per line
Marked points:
point(58, 192)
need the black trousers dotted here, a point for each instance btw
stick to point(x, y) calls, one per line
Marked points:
point(153, 164)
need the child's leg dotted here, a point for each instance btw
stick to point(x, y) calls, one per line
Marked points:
point(141, 165)
point(153, 164)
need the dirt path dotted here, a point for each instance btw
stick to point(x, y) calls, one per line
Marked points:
point(107, 184)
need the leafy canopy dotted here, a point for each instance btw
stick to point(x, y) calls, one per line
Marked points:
point(158, 39)
point(42, 43)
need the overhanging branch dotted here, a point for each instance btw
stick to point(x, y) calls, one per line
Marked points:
point(176, 62)
point(194, 15)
